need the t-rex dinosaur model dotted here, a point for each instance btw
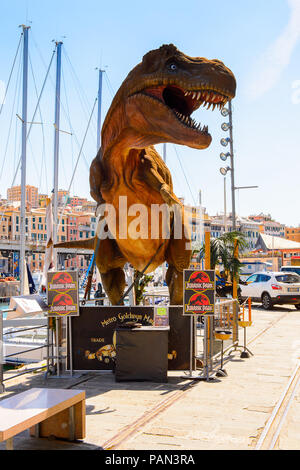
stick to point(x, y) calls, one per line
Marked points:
point(153, 105)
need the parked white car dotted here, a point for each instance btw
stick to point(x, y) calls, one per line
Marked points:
point(271, 288)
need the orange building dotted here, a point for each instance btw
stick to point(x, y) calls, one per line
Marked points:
point(75, 201)
point(42, 200)
point(4, 225)
point(62, 197)
point(292, 233)
point(14, 195)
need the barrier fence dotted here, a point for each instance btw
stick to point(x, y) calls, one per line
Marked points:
point(29, 325)
point(208, 331)
point(9, 289)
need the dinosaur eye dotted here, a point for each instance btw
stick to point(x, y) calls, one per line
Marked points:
point(173, 67)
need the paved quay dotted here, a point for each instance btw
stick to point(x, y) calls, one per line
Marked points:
point(228, 413)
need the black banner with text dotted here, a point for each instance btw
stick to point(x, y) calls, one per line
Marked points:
point(93, 335)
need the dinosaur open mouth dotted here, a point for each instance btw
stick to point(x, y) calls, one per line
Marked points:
point(184, 102)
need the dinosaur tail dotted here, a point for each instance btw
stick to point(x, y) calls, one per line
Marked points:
point(87, 244)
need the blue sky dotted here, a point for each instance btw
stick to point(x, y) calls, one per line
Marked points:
point(258, 39)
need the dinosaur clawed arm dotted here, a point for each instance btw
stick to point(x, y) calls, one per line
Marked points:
point(156, 175)
point(168, 196)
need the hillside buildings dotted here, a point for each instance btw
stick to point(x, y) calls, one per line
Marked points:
point(78, 222)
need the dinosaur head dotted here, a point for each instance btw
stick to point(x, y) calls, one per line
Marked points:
point(160, 94)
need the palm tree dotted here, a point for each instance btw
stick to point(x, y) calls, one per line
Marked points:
point(222, 251)
point(140, 284)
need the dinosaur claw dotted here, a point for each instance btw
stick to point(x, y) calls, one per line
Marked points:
point(167, 196)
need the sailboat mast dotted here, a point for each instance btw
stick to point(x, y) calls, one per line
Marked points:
point(56, 147)
point(99, 109)
point(165, 152)
point(23, 160)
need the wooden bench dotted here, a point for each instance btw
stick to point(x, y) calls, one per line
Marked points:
point(45, 412)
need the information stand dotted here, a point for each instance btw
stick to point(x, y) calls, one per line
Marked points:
point(63, 303)
point(199, 300)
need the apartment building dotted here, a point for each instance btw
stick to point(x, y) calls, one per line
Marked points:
point(31, 195)
point(292, 233)
point(62, 197)
point(76, 201)
point(199, 222)
point(269, 226)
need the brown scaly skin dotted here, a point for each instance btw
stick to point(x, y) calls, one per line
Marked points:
point(152, 106)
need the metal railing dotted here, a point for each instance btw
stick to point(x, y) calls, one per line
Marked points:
point(226, 317)
point(31, 324)
point(9, 289)
point(155, 299)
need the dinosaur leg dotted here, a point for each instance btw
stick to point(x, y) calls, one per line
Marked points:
point(110, 262)
point(114, 284)
point(178, 257)
point(174, 280)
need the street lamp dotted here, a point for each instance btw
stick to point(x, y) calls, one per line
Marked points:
point(224, 156)
point(225, 126)
point(224, 112)
point(225, 142)
point(224, 171)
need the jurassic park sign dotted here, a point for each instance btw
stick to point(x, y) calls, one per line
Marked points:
point(62, 293)
point(199, 292)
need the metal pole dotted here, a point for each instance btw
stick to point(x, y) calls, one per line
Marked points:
point(165, 160)
point(57, 347)
point(70, 346)
point(225, 209)
point(23, 161)
point(165, 152)
point(191, 345)
point(207, 250)
point(1, 353)
point(56, 146)
point(195, 343)
point(99, 110)
point(232, 167)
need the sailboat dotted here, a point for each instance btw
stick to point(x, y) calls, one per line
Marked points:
point(21, 347)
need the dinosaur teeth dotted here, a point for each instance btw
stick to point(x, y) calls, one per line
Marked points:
point(207, 97)
point(189, 122)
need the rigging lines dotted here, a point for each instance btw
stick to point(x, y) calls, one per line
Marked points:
point(75, 168)
point(10, 75)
